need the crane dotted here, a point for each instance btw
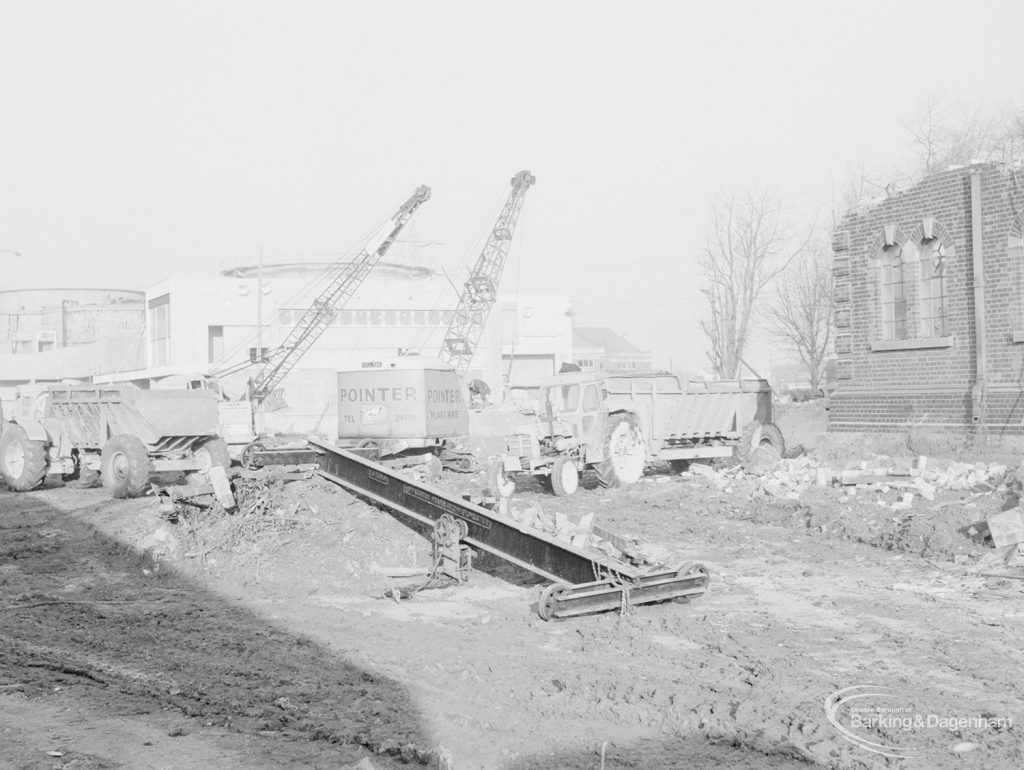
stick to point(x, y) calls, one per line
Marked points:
point(342, 286)
point(481, 289)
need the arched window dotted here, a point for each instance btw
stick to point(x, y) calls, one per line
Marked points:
point(893, 291)
point(933, 259)
point(1015, 245)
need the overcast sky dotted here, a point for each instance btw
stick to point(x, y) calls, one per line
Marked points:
point(140, 140)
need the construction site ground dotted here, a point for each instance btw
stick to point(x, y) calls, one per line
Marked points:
point(133, 638)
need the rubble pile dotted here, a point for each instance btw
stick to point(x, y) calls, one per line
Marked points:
point(583, 534)
point(261, 520)
point(790, 478)
point(264, 538)
point(919, 505)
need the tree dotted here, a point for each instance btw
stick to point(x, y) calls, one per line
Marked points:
point(746, 247)
point(801, 315)
point(944, 134)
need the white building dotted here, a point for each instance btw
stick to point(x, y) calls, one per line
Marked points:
point(209, 325)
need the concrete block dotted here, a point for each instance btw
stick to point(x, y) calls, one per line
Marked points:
point(1007, 528)
point(221, 487)
point(700, 469)
point(926, 490)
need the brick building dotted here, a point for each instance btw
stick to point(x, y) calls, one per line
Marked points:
point(929, 315)
point(599, 348)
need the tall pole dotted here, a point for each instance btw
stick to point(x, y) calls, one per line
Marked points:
point(259, 308)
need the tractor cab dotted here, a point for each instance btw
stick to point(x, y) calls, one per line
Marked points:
point(572, 405)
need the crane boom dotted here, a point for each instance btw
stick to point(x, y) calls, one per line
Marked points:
point(481, 289)
point(343, 285)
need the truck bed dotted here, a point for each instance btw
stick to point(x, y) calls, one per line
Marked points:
point(696, 409)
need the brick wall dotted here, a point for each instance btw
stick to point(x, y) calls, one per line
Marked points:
point(926, 380)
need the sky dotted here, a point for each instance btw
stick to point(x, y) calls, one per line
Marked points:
point(141, 140)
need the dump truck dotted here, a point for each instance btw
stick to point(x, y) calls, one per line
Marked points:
point(116, 433)
point(615, 424)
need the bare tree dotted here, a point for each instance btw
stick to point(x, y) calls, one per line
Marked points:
point(746, 247)
point(945, 134)
point(801, 315)
point(859, 185)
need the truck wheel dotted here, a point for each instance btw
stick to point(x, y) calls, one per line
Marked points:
point(125, 466)
point(565, 479)
point(501, 483)
point(757, 434)
point(212, 452)
point(22, 461)
point(624, 452)
point(249, 455)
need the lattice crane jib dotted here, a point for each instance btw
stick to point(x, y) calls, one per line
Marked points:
point(343, 284)
point(480, 291)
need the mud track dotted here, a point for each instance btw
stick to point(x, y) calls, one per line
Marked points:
point(278, 652)
point(82, 618)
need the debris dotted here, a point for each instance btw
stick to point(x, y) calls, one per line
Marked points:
point(222, 487)
point(701, 469)
point(964, 746)
point(1007, 528)
point(873, 476)
point(906, 503)
point(403, 572)
point(440, 758)
point(926, 490)
point(363, 764)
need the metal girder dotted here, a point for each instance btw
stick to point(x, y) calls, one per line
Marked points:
point(588, 581)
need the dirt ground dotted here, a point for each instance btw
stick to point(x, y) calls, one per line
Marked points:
point(133, 638)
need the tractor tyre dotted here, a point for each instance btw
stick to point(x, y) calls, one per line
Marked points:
point(501, 484)
point(565, 478)
point(125, 466)
point(212, 453)
point(757, 434)
point(22, 461)
point(624, 452)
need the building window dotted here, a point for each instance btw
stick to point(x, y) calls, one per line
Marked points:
point(585, 364)
point(160, 330)
point(215, 343)
point(626, 366)
point(893, 294)
point(933, 258)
